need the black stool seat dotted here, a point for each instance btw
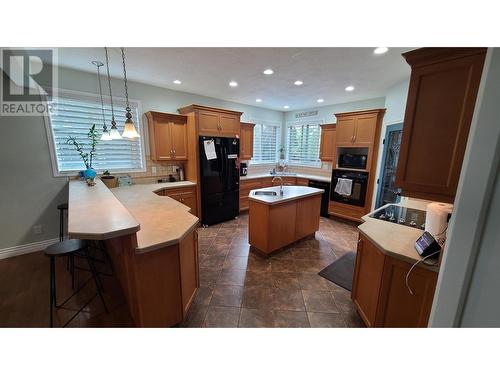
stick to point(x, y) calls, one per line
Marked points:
point(65, 247)
point(62, 206)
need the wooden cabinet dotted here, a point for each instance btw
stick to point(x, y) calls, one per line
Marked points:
point(302, 181)
point(214, 121)
point(167, 136)
point(327, 145)
point(380, 292)
point(188, 260)
point(185, 195)
point(245, 187)
point(246, 140)
point(356, 129)
point(443, 87)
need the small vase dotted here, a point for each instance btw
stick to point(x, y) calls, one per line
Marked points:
point(90, 176)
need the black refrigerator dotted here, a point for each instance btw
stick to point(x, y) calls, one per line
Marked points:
point(219, 179)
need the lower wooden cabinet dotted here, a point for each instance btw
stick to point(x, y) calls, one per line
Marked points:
point(184, 195)
point(302, 181)
point(380, 292)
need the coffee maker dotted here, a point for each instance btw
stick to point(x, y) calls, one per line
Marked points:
point(243, 169)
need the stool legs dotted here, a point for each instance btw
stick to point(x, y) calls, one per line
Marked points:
point(95, 277)
point(52, 289)
point(61, 225)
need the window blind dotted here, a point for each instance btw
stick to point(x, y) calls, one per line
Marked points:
point(265, 143)
point(303, 144)
point(74, 117)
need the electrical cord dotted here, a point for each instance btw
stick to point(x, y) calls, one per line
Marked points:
point(414, 265)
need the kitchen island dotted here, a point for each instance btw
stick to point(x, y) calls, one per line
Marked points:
point(152, 243)
point(277, 220)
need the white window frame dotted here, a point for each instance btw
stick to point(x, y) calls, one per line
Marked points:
point(310, 120)
point(83, 96)
point(279, 140)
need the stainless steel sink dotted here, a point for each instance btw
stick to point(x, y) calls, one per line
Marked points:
point(265, 192)
point(283, 174)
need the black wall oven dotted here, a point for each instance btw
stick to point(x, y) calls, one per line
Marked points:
point(357, 194)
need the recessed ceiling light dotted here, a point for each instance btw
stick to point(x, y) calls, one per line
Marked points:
point(380, 50)
point(268, 72)
point(177, 82)
point(258, 100)
point(286, 107)
point(298, 83)
point(349, 88)
point(233, 83)
point(320, 100)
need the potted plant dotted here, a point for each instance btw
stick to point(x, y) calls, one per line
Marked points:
point(87, 157)
point(108, 179)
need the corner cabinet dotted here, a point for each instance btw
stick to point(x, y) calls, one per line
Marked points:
point(246, 140)
point(380, 292)
point(327, 143)
point(167, 136)
point(215, 122)
point(443, 87)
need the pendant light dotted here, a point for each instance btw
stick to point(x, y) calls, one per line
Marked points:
point(129, 130)
point(105, 133)
point(114, 133)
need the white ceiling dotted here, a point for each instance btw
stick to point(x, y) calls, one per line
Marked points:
point(207, 71)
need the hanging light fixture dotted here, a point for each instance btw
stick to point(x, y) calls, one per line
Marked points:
point(114, 133)
point(129, 130)
point(105, 133)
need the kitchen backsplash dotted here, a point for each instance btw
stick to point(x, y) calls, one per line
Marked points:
point(324, 171)
point(163, 169)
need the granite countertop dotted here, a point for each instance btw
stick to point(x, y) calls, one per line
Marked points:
point(298, 175)
point(394, 239)
point(97, 213)
point(290, 193)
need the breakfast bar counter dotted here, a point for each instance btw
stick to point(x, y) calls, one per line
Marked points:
point(152, 243)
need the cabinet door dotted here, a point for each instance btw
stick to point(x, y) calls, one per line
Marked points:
point(188, 260)
point(302, 181)
point(208, 123)
point(345, 130)
point(365, 129)
point(439, 108)
point(179, 140)
point(246, 141)
point(327, 144)
point(367, 279)
point(162, 140)
point(397, 306)
point(229, 124)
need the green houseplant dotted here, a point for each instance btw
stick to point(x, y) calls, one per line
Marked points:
point(87, 157)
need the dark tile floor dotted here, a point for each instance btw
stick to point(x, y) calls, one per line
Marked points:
point(241, 289)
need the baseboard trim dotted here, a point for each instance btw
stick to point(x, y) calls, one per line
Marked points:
point(26, 248)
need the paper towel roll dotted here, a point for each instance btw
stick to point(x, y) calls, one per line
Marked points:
point(436, 219)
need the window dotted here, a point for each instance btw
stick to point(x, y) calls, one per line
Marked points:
point(302, 143)
point(74, 114)
point(266, 139)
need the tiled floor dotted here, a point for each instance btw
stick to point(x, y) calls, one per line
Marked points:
point(238, 289)
point(241, 289)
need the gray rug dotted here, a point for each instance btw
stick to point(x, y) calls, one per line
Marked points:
point(341, 271)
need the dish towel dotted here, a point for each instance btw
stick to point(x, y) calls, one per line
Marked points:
point(344, 186)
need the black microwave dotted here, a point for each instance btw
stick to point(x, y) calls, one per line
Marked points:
point(352, 161)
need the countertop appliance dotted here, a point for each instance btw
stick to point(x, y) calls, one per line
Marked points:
point(409, 217)
point(219, 179)
point(243, 169)
point(352, 161)
point(325, 197)
point(358, 191)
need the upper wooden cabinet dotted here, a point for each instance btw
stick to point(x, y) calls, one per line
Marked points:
point(215, 121)
point(167, 136)
point(443, 87)
point(246, 140)
point(357, 129)
point(327, 142)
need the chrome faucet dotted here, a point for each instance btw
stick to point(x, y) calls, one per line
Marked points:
point(281, 183)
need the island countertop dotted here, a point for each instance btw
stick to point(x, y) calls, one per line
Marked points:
point(394, 239)
point(97, 213)
point(290, 193)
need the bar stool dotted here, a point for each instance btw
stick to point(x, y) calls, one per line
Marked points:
point(61, 207)
point(65, 248)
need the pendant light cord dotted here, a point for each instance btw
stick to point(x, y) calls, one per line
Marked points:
point(125, 77)
point(105, 128)
point(109, 84)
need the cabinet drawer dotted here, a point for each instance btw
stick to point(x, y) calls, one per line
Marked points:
point(250, 184)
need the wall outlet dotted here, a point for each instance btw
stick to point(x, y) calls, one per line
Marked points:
point(38, 229)
point(153, 170)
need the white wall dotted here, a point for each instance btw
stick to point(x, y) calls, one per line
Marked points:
point(467, 292)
